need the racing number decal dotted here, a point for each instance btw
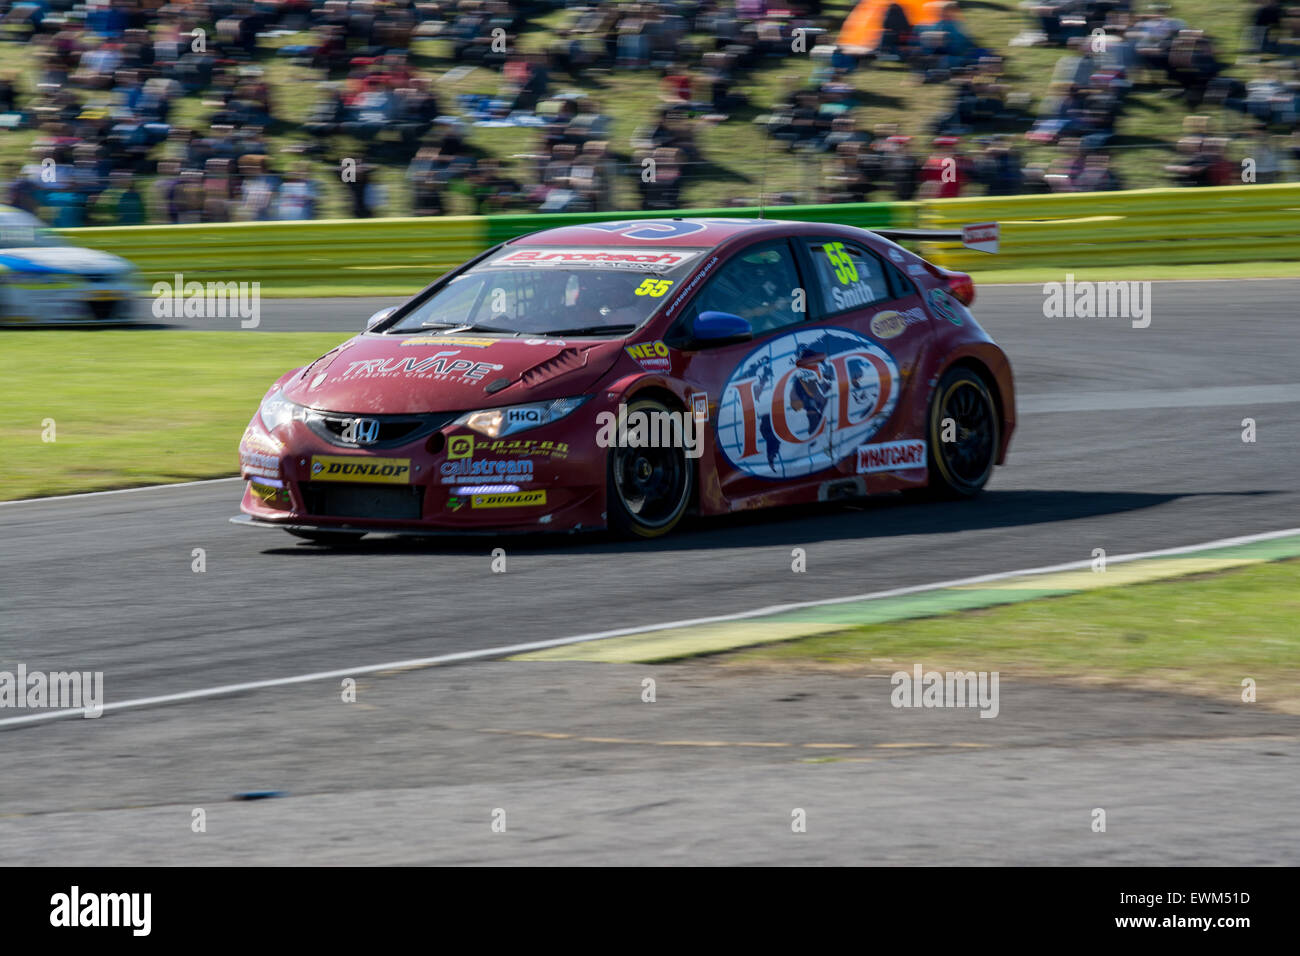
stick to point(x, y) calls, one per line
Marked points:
point(654, 287)
point(842, 262)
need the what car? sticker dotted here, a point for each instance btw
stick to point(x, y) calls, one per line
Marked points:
point(891, 456)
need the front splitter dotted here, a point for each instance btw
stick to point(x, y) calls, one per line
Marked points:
point(248, 521)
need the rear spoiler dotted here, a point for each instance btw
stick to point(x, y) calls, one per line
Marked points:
point(980, 236)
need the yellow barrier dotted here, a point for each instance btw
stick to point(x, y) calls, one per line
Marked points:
point(1138, 227)
point(1066, 230)
point(392, 255)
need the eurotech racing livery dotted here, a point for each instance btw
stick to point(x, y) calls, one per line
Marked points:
point(623, 374)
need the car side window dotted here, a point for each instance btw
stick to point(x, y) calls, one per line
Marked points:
point(760, 284)
point(901, 284)
point(848, 276)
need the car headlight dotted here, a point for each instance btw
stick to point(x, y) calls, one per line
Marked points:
point(277, 410)
point(498, 422)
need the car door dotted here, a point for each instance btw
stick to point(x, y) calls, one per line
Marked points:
point(763, 284)
point(866, 301)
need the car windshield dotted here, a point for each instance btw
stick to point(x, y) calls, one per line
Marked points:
point(19, 230)
point(552, 290)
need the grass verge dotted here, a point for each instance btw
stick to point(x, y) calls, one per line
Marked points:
point(1201, 634)
point(134, 407)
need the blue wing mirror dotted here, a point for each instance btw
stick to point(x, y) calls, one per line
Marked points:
point(720, 328)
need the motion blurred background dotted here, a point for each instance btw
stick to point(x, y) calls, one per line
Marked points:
point(121, 112)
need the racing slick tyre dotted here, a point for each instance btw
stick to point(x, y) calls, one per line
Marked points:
point(337, 539)
point(648, 489)
point(960, 467)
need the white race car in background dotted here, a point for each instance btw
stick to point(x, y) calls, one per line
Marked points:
point(45, 281)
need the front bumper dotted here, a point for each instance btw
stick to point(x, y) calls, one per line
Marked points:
point(455, 481)
point(75, 302)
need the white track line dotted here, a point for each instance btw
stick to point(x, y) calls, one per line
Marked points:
point(116, 491)
point(511, 649)
point(1209, 396)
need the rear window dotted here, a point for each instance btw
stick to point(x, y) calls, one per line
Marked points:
point(554, 290)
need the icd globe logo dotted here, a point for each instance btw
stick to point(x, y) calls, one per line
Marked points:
point(804, 401)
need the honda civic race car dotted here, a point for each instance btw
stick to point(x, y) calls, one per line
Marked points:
point(622, 374)
point(45, 281)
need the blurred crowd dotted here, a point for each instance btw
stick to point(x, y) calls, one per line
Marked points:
point(153, 111)
point(1108, 49)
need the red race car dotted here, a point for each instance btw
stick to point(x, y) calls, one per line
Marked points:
point(621, 374)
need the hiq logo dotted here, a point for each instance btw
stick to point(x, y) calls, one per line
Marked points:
point(804, 401)
point(526, 416)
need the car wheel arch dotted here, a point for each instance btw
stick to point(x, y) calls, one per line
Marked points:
point(981, 369)
point(660, 392)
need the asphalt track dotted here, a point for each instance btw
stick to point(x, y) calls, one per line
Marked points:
point(1129, 440)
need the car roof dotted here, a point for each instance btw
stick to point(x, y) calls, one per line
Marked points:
point(705, 232)
point(12, 215)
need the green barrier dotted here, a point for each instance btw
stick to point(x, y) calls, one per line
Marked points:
point(379, 255)
point(398, 256)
